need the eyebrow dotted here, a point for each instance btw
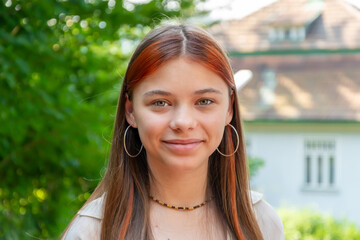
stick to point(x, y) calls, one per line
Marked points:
point(164, 93)
point(208, 90)
point(156, 92)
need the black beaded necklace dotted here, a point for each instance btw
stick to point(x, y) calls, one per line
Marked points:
point(180, 208)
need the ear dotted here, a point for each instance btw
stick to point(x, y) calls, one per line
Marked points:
point(230, 112)
point(129, 111)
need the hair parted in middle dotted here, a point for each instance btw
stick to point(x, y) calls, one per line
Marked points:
point(126, 182)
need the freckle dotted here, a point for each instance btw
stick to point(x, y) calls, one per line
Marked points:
point(156, 226)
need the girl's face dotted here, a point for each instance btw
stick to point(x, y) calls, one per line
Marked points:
point(180, 111)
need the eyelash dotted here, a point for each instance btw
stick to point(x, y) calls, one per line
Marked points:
point(208, 102)
point(155, 103)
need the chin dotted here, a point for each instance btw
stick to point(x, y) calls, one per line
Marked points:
point(186, 163)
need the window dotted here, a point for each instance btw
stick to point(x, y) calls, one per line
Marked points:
point(292, 33)
point(319, 164)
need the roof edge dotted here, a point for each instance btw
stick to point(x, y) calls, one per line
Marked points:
point(313, 126)
point(303, 121)
point(294, 52)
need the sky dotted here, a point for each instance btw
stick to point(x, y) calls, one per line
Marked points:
point(235, 9)
point(226, 9)
point(220, 9)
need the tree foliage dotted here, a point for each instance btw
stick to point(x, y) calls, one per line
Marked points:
point(254, 165)
point(61, 64)
point(307, 224)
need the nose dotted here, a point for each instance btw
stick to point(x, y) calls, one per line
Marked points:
point(183, 119)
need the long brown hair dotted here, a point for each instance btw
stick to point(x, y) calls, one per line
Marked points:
point(126, 182)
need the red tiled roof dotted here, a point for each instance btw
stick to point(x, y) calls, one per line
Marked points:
point(322, 87)
point(317, 87)
point(334, 25)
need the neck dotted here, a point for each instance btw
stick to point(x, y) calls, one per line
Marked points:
point(179, 187)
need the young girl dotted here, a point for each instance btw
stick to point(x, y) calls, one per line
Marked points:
point(177, 167)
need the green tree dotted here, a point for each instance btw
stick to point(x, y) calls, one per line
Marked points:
point(254, 165)
point(61, 64)
point(307, 224)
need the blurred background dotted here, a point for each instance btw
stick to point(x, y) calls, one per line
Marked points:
point(296, 65)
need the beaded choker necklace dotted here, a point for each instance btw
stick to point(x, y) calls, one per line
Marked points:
point(180, 208)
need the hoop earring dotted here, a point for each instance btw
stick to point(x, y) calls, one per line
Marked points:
point(133, 156)
point(237, 145)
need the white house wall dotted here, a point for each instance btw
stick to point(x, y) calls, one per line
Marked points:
point(282, 178)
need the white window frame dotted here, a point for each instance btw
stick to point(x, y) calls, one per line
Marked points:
point(281, 34)
point(320, 164)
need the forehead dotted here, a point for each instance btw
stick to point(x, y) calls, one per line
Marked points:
point(181, 76)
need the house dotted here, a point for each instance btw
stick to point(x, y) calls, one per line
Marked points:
point(301, 109)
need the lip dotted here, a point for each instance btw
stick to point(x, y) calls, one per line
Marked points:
point(182, 145)
point(183, 141)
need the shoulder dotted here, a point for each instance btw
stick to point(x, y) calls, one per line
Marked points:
point(269, 221)
point(87, 222)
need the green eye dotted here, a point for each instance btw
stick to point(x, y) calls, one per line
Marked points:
point(160, 103)
point(205, 102)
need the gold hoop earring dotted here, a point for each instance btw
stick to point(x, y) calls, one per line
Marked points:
point(133, 156)
point(237, 145)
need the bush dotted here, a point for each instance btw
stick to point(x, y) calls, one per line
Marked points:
point(254, 165)
point(307, 224)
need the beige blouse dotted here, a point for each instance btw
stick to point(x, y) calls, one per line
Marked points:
point(87, 223)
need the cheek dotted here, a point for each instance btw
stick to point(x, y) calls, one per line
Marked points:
point(219, 134)
point(215, 129)
point(150, 127)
